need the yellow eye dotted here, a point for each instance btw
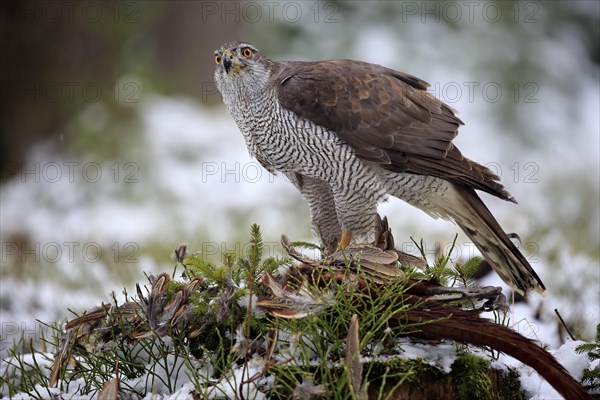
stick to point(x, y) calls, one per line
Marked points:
point(247, 52)
point(218, 60)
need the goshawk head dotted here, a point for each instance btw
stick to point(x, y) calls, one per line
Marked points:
point(242, 71)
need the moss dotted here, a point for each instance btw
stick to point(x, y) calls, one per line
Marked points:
point(402, 369)
point(511, 386)
point(470, 377)
point(199, 306)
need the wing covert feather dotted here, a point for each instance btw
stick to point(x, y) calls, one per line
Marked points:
point(386, 116)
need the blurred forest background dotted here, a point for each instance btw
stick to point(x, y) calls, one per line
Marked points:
point(115, 146)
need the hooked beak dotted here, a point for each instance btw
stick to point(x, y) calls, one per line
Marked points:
point(227, 63)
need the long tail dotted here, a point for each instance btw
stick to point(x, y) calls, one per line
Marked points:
point(479, 224)
point(467, 327)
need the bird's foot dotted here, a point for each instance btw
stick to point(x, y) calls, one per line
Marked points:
point(345, 240)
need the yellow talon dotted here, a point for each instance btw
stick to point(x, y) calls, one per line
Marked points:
point(345, 240)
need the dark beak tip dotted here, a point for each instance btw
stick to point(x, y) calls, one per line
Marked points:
point(227, 64)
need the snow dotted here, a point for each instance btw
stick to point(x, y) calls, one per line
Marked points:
point(193, 172)
point(441, 355)
point(537, 388)
point(184, 393)
point(231, 385)
point(55, 214)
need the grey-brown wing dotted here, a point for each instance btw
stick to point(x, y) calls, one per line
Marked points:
point(386, 116)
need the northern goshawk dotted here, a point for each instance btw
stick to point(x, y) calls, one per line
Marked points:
point(348, 134)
